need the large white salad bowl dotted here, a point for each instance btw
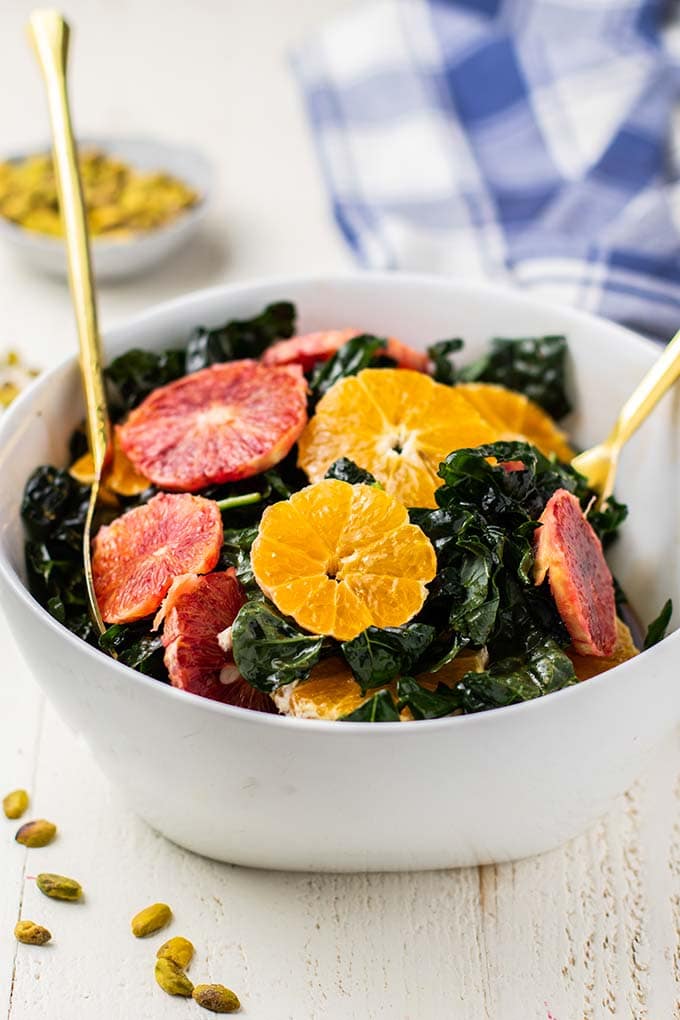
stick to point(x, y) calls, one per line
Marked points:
point(275, 792)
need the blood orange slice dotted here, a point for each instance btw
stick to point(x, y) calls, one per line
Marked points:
point(195, 611)
point(137, 557)
point(223, 423)
point(308, 349)
point(570, 553)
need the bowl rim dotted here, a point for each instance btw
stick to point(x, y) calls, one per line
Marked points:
point(35, 239)
point(9, 576)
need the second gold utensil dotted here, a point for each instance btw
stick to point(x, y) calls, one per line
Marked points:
point(600, 462)
point(49, 34)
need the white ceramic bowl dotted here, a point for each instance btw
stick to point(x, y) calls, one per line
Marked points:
point(286, 793)
point(116, 259)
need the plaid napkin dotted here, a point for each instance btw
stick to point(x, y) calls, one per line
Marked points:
point(527, 141)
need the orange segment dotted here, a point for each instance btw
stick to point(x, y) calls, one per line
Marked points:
point(339, 558)
point(587, 666)
point(400, 425)
point(331, 691)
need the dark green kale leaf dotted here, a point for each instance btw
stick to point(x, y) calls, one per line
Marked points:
point(236, 553)
point(132, 376)
point(53, 510)
point(357, 354)
point(542, 669)
point(606, 522)
point(482, 531)
point(379, 708)
point(269, 651)
point(657, 629)
point(426, 704)
point(246, 338)
point(534, 366)
point(345, 470)
point(53, 505)
point(135, 645)
point(444, 370)
point(378, 655)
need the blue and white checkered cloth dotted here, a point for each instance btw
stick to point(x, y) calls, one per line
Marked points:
point(527, 141)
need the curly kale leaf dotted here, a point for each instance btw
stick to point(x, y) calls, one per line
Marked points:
point(543, 668)
point(269, 651)
point(345, 470)
point(657, 629)
point(380, 708)
point(132, 376)
point(379, 655)
point(534, 366)
point(135, 645)
point(240, 338)
point(355, 355)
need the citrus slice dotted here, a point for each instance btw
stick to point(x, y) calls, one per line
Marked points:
point(136, 558)
point(517, 418)
point(587, 666)
point(395, 423)
point(308, 349)
point(339, 557)
point(196, 609)
point(121, 477)
point(331, 691)
point(223, 423)
point(400, 425)
point(567, 549)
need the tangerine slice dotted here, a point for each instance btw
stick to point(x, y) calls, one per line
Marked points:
point(197, 609)
point(567, 549)
point(339, 557)
point(587, 666)
point(395, 423)
point(120, 477)
point(308, 349)
point(223, 423)
point(517, 418)
point(331, 691)
point(136, 558)
point(400, 425)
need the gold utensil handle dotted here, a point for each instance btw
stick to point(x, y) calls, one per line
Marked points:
point(49, 34)
point(644, 398)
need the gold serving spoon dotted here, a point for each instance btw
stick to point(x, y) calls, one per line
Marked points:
point(599, 464)
point(49, 34)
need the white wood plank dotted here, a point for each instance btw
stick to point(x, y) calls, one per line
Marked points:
point(20, 723)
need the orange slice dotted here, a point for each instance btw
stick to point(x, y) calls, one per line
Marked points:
point(587, 666)
point(331, 691)
point(121, 477)
point(517, 418)
point(339, 558)
point(400, 425)
point(395, 423)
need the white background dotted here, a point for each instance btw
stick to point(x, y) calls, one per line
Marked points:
point(592, 931)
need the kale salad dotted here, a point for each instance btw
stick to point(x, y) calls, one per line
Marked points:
point(335, 525)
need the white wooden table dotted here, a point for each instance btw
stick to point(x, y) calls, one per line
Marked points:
point(588, 932)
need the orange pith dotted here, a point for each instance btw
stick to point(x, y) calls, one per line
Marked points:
point(400, 425)
point(339, 558)
point(331, 691)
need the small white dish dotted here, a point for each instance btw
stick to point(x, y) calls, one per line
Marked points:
point(277, 792)
point(116, 259)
